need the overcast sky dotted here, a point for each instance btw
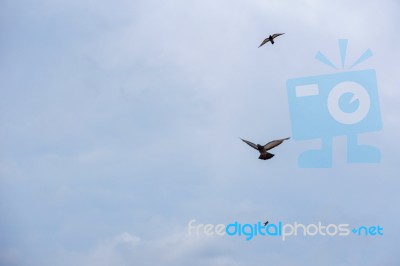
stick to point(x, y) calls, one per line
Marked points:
point(119, 123)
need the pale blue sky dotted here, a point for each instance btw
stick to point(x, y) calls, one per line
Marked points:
point(120, 123)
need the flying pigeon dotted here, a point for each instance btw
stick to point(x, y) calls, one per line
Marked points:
point(264, 155)
point(270, 39)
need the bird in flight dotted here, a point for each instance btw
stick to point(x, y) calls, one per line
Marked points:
point(264, 154)
point(270, 38)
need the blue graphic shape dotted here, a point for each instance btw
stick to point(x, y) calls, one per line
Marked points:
point(343, 50)
point(311, 118)
point(348, 103)
point(322, 58)
point(367, 54)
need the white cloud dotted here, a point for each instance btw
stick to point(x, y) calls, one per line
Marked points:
point(127, 249)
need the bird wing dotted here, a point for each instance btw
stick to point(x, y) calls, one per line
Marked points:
point(277, 34)
point(250, 144)
point(274, 143)
point(264, 42)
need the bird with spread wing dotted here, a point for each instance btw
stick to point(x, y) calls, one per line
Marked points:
point(270, 38)
point(264, 154)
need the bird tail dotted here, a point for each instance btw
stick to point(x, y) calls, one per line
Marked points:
point(266, 156)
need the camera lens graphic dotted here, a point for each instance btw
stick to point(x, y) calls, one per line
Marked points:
point(358, 94)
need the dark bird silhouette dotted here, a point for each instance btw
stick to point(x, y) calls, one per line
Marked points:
point(270, 38)
point(264, 155)
point(265, 224)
